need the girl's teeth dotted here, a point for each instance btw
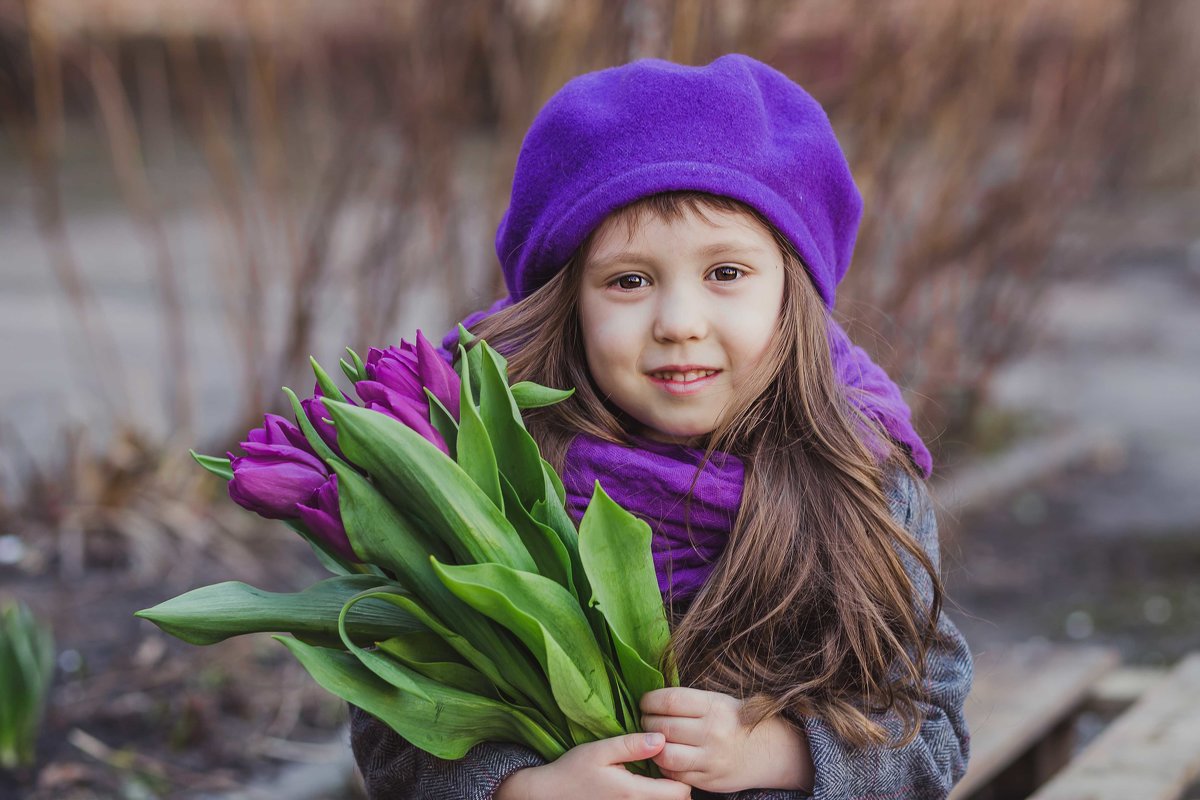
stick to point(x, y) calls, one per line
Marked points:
point(682, 377)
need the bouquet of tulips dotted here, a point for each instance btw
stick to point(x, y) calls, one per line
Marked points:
point(465, 605)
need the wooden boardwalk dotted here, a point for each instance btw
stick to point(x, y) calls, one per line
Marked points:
point(1022, 714)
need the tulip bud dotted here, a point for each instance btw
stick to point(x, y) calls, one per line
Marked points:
point(278, 471)
point(323, 518)
point(410, 368)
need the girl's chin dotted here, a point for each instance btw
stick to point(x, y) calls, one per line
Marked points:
point(687, 438)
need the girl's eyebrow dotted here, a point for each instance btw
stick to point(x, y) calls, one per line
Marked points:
point(708, 251)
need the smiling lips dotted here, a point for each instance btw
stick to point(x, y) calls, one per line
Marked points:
point(681, 372)
point(682, 379)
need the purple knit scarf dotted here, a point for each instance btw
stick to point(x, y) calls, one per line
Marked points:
point(651, 481)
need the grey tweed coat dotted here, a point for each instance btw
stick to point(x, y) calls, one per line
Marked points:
point(925, 769)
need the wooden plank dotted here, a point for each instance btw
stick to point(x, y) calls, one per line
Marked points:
point(1021, 696)
point(1118, 690)
point(1152, 752)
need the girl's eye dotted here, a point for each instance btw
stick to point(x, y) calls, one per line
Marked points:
point(724, 274)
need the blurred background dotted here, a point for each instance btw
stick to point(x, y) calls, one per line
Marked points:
point(195, 197)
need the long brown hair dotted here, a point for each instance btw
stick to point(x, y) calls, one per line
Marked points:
point(809, 610)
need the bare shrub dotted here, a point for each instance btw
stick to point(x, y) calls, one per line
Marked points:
point(358, 156)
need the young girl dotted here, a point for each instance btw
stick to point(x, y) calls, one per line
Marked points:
point(671, 250)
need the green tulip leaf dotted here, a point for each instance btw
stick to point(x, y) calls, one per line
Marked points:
point(423, 647)
point(475, 453)
point(638, 676)
point(512, 670)
point(470, 363)
point(359, 368)
point(380, 534)
point(540, 540)
point(548, 620)
point(555, 483)
point(554, 514)
point(465, 337)
point(214, 613)
point(555, 517)
point(428, 654)
point(323, 451)
point(533, 395)
point(627, 709)
point(217, 466)
point(328, 388)
point(414, 473)
point(379, 663)
point(614, 546)
point(516, 452)
point(447, 727)
point(444, 422)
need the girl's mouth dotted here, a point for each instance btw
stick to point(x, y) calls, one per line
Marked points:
point(684, 383)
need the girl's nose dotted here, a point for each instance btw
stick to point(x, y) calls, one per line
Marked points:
point(680, 316)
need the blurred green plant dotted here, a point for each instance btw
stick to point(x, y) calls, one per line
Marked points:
point(26, 672)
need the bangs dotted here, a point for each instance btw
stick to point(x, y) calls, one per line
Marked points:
point(674, 206)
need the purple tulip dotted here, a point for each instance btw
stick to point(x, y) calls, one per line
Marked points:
point(278, 471)
point(314, 409)
point(410, 367)
point(399, 406)
point(398, 377)
point(323, 517)
point(280, 477)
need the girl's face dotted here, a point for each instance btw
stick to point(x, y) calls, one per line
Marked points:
point(672, 303)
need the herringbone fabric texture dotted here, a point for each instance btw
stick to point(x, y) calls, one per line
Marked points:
point(925, 769)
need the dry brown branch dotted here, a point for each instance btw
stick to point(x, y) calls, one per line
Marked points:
point(343, 164)
point(128, 162)
point(239, 274)
point(99, 355)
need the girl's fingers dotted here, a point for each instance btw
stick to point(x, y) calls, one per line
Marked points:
point(681, 730)
point(679, 701)
point(679, 759)
point(630, 747)
point(636, 747)
point(658, 788)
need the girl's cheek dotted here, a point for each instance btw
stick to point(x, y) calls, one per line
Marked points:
point(609, 327)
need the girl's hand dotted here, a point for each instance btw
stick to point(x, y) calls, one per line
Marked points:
point(708, 746)
point(595, 771)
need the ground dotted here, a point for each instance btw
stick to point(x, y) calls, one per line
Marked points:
point(137, 713)
point(1105, 550)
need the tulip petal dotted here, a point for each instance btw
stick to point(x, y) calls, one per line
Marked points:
point(315, 411)
point(398, 377)
point(413, 413)
point(323, 518)
point(437, 375)
point(285, 452)
point(272, 431)
point(272, 488)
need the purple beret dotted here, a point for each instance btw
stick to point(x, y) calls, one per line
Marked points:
point(736, 127)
